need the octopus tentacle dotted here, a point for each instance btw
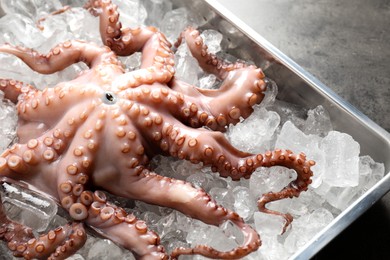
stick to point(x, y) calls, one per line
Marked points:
point(213, 149)
point(157, 57)
point(22, 161)
point(124, 228)
point(12, 232)
point(75, 169)
point(55, 103)
point(13, 89)
point(207, 61)
point(180, 195)
point(288, 159)
point(217, 109)
point(240, 91)
point(59, 243)
point(122, 41)
point(157, 64)
point(18, 161)
point(62, 56)
point(56, 244)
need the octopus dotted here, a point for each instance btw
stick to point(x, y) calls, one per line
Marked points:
point(98, 132)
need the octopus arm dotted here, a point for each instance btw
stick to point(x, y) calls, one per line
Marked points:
point(207, 61)
point(124, 229)
point(216, 109)
point(157, 57)
point(243, 86)
point(13, 89)
point(59, 243)
point(213, 149)
point(197, 107)
point(155, 189)
point(61, 56)
point(56, 244)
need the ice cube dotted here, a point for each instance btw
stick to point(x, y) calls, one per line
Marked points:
point(255, 133)
point(199, 233)
point(318, 122)
point(8, 122)
point(174, 22)
point(152, 219)
point(31, 9)
point(156, 9)
point(270, 94)
point(102, 248)
point(268, 226)
point(301, 232)
point(244, 202)
point(200, 180)
point(208, 81)
point(342, 159)
point(212, 39)
point(132, 62)
point(75, 257)
point(15, 27)
point(132, 12)
point(370, 173)
point(223, 197)
point(27, 207)
point(290, 137)
point(341, 197)
point(265, 180)
point(166, 224)
point(187, 68)
point(289, 112)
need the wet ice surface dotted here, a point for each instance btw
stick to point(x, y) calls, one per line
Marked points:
point(341, 175)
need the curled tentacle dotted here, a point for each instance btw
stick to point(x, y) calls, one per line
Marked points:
point(240, 91)
point(218, 108)
point(207, 61)
point(157, 57)
point(288, 159)
point(213, 149)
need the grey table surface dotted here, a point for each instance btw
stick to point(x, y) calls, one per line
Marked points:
point(346, 45)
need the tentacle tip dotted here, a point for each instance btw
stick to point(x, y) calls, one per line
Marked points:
point(288, 218)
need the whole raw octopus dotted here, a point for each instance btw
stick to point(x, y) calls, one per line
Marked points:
point(99, 131)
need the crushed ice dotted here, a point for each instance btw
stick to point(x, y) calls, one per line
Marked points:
point(341, 176)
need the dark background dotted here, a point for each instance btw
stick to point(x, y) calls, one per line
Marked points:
point(346, 45)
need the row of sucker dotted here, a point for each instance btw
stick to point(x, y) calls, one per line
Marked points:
point(196, 114)
point(105, 215)
point(55, 102)
point(158, 58)
point(59, 243)
point(15, 90)
point(62, 56)
point(77, 166)
point(161, 68)
point(200, 205)
point(208, 61)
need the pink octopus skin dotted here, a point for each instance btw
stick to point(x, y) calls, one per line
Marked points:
point(98, 132)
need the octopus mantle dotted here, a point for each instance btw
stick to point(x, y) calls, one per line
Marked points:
point(98, 132)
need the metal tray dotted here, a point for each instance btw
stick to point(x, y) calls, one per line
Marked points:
point(299, 87)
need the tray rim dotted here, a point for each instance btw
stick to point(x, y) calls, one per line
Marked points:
point(365, 201)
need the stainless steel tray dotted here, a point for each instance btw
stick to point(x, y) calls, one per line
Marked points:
point(299, 87)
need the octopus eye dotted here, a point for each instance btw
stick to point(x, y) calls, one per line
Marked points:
point(109, 98)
